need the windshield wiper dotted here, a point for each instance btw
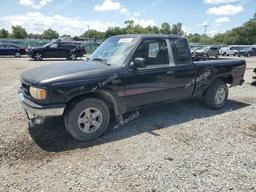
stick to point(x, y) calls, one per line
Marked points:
point(101, 60)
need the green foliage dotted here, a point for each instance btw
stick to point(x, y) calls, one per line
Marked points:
point(18, 32)
point(177, 29)
point(50, 34)
point(4, 33)
point(93, 34)
point(165, 28)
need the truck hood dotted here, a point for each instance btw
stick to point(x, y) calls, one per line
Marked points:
point(66, 71)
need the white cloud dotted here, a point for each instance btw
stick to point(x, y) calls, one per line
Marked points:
point(219, 1)
point(31, 3)
point(137, 14)
point(225, 10)
point(108, 5)
point(186, 30)
point(205, 23)
point(222, 20)
point(124, 10)
point(26, 2)
point(36, 22)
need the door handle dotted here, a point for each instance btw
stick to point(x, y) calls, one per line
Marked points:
point(170, 72)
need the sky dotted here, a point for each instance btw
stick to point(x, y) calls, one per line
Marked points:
point(74, 17)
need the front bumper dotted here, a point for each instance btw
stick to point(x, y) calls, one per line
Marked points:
point(41, 110)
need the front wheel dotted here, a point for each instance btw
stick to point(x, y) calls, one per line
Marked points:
point(38, 56)
point(216, 95)
point(73, 56)
point(87, 119)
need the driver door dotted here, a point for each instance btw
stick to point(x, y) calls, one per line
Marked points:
point(152, 83)
point(51, 51)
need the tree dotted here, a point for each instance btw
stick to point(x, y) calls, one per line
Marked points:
point(4, 33)
point(129, 23)
point(18, 32)
point(177, 29)
point(165, 28)
point(50, 34)
point(111, 31)
point(93, 34)
point(33, 36)
point(195, 38)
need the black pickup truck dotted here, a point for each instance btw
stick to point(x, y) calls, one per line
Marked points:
point(125, 73)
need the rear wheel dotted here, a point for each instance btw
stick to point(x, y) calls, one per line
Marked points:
point(38, 56)
point(87, 119)
point(17, 54)
point(216, 95)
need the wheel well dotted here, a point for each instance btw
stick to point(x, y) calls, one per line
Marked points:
point(226, 79)
point(104, 96)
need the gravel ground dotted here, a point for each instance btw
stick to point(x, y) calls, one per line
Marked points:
point(176, 147)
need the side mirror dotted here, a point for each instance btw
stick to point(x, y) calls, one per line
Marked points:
point(138, 62)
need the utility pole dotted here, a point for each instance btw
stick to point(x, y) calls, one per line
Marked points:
point(205, 28)
point(88, 27)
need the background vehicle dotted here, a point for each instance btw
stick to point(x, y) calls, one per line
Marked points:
point(11, 49)
point(205, 53)
point(68, 50)
point(228, 51)
point(125, 73)
point(247, 52)
point(212, 51)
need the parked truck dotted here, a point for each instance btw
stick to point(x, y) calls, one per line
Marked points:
point(125, 73)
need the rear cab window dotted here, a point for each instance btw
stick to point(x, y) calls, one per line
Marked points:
point(182, 55)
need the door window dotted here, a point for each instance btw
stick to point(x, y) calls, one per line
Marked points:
point(154, 51)
point(54, 45)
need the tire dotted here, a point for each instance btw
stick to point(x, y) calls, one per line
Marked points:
point(79, 120)
point(38, 56)
point(234, 54)
point(216, 95)
point(248, 55)
point(239, 55)
point(17, 54)
point(73, 56)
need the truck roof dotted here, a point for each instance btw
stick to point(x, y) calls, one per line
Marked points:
point(148, 36)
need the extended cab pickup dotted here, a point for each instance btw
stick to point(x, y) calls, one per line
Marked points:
point(125, 73)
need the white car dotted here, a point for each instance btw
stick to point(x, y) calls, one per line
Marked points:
point(228, 51)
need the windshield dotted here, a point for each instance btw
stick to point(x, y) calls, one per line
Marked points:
point(46, 45)
point(114, 51)
point(246, 49)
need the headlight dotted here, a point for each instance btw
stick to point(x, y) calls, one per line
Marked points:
point(37, 93)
